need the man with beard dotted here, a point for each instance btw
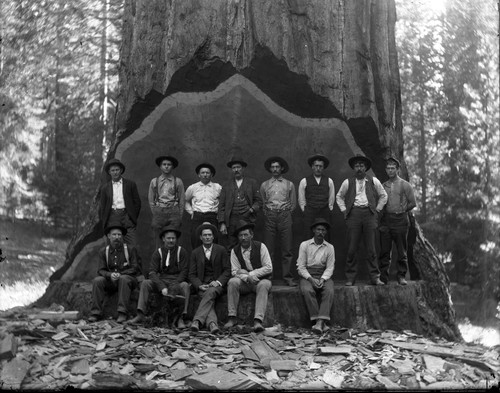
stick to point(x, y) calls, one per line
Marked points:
point(279, 201)
point(239, 200)
point(361, 198)
point(117, 271)
point(315, 266)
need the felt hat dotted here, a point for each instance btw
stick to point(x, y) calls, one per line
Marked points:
point(205, 165)
point(395, 160)
point(282, 162)
point(114, 161)
point(170, 228)
point(362, 158)
point(320, 221)
point(236, 160)
point(173, 160)
point(206, 225)
point(115, 226)
point(242, 225)
point(318, 157)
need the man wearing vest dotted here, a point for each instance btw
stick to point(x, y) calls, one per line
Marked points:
point(394, 223)
point(166, 197)
point(361, 198)
point(117, 271)
point(316, 194)
point(168, 274)
point(119, 201)
point(202, 201)
point(239, 200)
point(209, 272)
point(279, 201)
point(315, 266)
point(251, 268)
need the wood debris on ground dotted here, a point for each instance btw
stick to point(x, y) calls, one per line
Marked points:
point(40, 353)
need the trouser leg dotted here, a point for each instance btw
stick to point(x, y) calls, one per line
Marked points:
point(269, 237)
point(385, 254)
point(147, 286)
point(126, 284)
point(285, 231)
point(354, 229)
point(309, 294)
point(207, 303)
point(233, 296)
point(99, 286)
point(184, 289)
point(326, 300)
point(369, 222)
point(262, 293)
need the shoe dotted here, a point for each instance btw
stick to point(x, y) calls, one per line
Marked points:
point(214, 329)
point(122, 317)
point(257, 326)
point(181, 324)
point(290, 282)
point(137, 319)
point(402, 281)
point(377, 282)
point(318, 327)
point(94, 318)
point(231, 322)
point(195, 326)
point(349, 283)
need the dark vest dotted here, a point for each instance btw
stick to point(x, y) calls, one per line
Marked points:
point(173, 263)
point(208, 275)
point(317, 194)
point(370, 194)
point(254, 256)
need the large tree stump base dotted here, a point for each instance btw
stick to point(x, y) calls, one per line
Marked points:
point(362, 306)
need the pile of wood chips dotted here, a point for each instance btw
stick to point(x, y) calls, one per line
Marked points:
point(46, 350)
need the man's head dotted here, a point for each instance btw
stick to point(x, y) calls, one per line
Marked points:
point(207, 233)
point(115, 169)
point(115, 235)
point(276, 169)
point(205, 172)
point(319, 229)
point(237, 166)
point(166, 164)
point(244, 233)
point(360, 164)
point(169, 236)
point(318, 164)
point(276, 165)
point(392, 167)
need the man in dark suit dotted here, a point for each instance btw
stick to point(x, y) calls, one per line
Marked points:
point(119, 201)
point(209, 272)
point(239, 200)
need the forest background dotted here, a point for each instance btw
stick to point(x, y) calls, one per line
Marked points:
point(59, 81)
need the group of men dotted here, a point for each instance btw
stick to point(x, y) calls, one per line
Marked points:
point(245, 265)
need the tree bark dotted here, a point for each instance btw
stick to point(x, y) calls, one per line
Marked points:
point(206, 80)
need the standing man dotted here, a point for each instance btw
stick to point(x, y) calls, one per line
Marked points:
point(361, 198)
point(209, 272)
point(251, 268)
point(239, 200)
point(315, 266)
point(168, 274)
point(117, 271)
point(166, 197)
point(202, 201)
point(316, 193)
point(119, 201)
point(394, 223)
point(279, 201)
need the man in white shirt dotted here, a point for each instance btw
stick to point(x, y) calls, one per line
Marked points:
point(202, 201)
point(315, 266)
point(361, 198)
point(316, 194)
point(251, 268)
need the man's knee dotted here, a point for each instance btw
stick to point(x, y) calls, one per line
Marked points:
point(99, 281)
point(264, 285)
point(234, 282)
point(184, 286)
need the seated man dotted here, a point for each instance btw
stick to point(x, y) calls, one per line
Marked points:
point(315, 267)
point(168, 272)
point(117, 271)
point(209, 271)
point(251, 268)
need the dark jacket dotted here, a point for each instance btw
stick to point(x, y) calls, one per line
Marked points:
point(118, 264)
point(178, 268)
point(227, 197)
point(130, 196)
point(220, 262)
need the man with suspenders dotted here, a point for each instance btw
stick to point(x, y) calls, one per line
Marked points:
point(117, 271)
point(166, 197)
point(168, 273)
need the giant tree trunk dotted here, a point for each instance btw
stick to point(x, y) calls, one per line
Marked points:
point(205, 80)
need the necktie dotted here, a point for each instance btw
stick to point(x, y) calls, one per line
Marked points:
point(167, 261)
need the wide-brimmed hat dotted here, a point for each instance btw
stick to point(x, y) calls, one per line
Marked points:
point(318, 157)
point(173, 160)
point(395, 160)
point(236, 160)
point(362, 158)
point(170, 228)
point(242, 225)
point(270, 160)
point(320, 221)
point(205, 165)
point(206, 225)
point(115, 226)
point(114, 161)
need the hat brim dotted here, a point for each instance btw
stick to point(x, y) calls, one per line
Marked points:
point(199, 167)
point(111, 227)
point(318, 157)
point(324, 223)
point(176, 231)
point(207, 226)
point(283, 163)
point(241, 162)
point(365, 160)
point(173, 160)
point(242, 228)
point(110, 164)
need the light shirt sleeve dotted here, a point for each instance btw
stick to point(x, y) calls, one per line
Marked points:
point(302, 194)
point(382, 194)
point(331, 194)
point(118, 201)
point(341, 195)
point(188, 196)
point(293, 197)
point(302, 260)
point(265, 260)
point(151, 192)
point(182, 195)
point(235, 266)
point(410, 197)
point(330, 263)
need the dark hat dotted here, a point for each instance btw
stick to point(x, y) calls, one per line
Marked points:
point(362, 158)
point(205, 165)
point(170, 228)
point(236, 160)
point(173, 160)
point(242, 225)
point(396, 161)
point(115, 226)
point(114, 161)
point(320, 221)
point(318, 157)
point(206, 225)
point(282, 162)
